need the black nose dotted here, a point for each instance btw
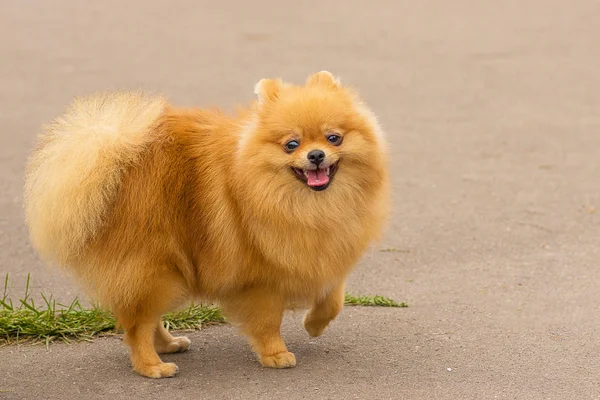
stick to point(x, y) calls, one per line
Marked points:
point(316, 156)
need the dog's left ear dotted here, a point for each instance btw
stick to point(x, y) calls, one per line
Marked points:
point(268, 89)
point(323, 78)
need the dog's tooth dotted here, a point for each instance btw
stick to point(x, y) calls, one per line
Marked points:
point(305, 174)
point(327, 171)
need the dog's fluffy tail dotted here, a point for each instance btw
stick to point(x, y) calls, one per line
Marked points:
point(76, 170)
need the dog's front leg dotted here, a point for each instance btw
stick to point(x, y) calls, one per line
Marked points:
point(259, 315)
point(324, 310)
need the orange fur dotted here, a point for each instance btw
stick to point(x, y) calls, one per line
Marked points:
point(196, 203)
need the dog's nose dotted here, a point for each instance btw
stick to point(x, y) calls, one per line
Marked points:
point(316, 156)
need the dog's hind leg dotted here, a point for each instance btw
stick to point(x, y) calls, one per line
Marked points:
point(139, 335)
point(164, 342)
point(140, 317)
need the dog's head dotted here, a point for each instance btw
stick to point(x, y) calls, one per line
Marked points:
point(312, 154)
point(311, 138)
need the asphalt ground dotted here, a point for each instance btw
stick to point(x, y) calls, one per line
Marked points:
point(492, 110)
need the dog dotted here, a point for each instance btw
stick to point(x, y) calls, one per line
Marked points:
point(267, 209)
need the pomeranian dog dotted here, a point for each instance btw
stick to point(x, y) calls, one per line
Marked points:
point(266, 210)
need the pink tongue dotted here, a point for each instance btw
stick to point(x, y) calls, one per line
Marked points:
point(317, 177)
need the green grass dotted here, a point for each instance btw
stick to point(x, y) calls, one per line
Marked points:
point(50, 321)
point(372, 301)
point(394, 250)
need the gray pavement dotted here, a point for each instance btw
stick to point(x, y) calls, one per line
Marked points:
point(493, 114)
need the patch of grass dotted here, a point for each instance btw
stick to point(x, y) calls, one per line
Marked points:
point(372, 301)
point(193, 317)
point(394, 250)
point(51, 321)
point(28, 322)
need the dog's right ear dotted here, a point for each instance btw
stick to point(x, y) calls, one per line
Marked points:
point(323, 78)
point(268, 89)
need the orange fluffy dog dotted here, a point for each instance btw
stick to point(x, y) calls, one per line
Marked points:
point(264, 211)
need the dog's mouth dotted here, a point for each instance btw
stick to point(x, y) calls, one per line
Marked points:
point(316, 179)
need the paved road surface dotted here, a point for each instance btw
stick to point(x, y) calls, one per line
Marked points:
point(493, 113)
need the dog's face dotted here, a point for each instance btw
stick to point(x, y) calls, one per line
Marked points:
point(311, 138)
point(308, 129)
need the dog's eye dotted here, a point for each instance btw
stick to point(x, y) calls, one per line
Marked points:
point(292, 145)
point(334, 140)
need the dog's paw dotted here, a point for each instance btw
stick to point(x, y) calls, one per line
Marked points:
point(178, 345)
point(162, 370)
point(314, 327)
point(280, 360)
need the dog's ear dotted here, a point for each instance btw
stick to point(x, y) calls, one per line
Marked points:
point(323, 78)
point(268, 89)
